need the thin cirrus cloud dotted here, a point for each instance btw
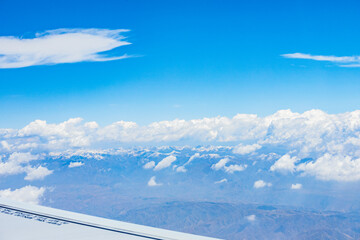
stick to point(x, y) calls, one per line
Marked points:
point(61, 46)
point(343, 61)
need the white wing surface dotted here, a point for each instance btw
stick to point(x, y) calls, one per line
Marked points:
point(20, 221)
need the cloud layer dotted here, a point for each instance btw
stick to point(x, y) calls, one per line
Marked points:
point(344, 61)
point(312, 143)
point(60, 46)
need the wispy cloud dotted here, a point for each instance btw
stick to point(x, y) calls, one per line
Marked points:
point(343, 61)
point(60, 46)
point(224, 180)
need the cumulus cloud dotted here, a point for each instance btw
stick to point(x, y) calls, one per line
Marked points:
point(333, 167)
point(149, 165)
point(18, 162)
point(60, 46)
point(235, 168)
point(28, 194)
point(5, 145)
point(38, 173)
point(75, 164)
point(10, 168)
point(296, 186)
point(285, 163)
point(19, 157)
point(181, 169)
point(166, 162)
point(344, 61)
point(246, 149)
point(195, 156)
point(152, 182)
point(220, 164)
point(327, 139)
point(261, 184)
point(229, 169)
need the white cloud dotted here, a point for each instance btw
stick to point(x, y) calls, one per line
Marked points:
point(181, 169)
point(333, 167)
point(296, 186)
point(10, 168)
point(261, 184)
point(345, 61)
point(5, 145)
point(18, 163)
point(235, 168)
point(149, 165)
point(69, 134)
point(195, 156)
point(38, 173)
point(19, 157)
point(285, 163)
point(251, 218)
point(60, 46)
point(220, 164)
point(246, 149)
point(166, 162)
point(152, 182)
point(28, 194)
point(229, 169)
point(221, 181)
point(75, 164)
point(311, 134)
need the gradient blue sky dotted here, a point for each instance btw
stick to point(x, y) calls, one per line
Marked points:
point(196, 59)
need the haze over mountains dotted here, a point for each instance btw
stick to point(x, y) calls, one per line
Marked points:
point(286, 175)
point(208, 190)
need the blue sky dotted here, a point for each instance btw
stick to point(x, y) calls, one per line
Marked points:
point(194, 59)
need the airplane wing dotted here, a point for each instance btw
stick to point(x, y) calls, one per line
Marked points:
point(21, 221)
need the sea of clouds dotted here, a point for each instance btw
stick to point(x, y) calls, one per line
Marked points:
point(313, 143)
